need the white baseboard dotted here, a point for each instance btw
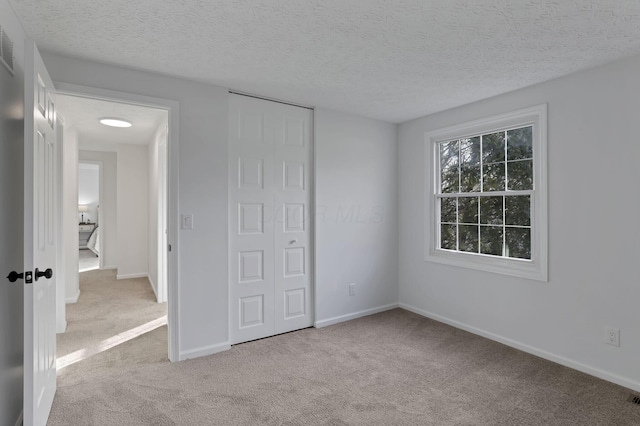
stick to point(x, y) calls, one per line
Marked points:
point(104, 268)
point(128, 276)
point(359, 314)
point(61, 328)
point(19, 421)
point(73, 299)
point(204, 351)
point(605, 375)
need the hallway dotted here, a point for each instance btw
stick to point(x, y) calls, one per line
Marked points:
point(115, 324)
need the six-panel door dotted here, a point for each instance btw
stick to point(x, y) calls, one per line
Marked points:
point(39, 240)
point(270, 155)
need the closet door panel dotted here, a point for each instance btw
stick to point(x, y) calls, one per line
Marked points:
point(250, 225)
point(293, 142)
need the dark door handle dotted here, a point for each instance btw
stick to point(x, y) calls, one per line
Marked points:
point(14, 276)
point(47, 274)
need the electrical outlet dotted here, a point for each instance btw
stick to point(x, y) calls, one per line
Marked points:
point(612, 336)
point(352, 289)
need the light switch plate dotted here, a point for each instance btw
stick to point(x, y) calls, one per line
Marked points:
point(187, 221)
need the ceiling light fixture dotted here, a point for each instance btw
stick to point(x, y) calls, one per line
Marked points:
point(115, 122)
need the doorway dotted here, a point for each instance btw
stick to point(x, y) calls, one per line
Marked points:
point(121, 227)
point(89, 221)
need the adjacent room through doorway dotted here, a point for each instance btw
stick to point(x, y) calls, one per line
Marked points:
point(114, 176)
point(89, 224)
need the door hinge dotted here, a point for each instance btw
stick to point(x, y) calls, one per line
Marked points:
point(169, 247)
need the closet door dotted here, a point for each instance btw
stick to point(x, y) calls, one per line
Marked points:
point(270, 159)
point(292, 185)
point(250, 223)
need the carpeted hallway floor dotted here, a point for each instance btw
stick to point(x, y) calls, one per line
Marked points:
point(104, 316)
point(393, 368)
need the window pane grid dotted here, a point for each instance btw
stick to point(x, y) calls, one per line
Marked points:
point(485, 194)
point(489, 178)
point(481, 163)
point(488, 166)
point(516, 161)
point(463, 226)
point(457, 225)
point(459, 168)
point(504, 221)
point(501, 162)
point(506, 169)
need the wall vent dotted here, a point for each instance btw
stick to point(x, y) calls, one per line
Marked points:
point(635, 399)
point(6, 50)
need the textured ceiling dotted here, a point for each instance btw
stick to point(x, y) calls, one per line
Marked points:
point(84, 114)
point(387, 59)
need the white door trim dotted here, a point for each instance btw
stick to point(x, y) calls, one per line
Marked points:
point(61, 305)
point(312, 218)
point(161, 213)
point(173, 109)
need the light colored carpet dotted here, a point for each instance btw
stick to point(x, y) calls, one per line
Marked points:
point(87, 261)
point(393, 368)
point(105, 314)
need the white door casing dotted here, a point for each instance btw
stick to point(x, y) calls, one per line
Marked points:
point(61, 308)
point(39, 239)
point(270, 160)
point(162, 218)
point(172, 248)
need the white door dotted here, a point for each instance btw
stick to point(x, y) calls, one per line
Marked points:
point(292, 230)
point(39, 240)
point(270, 160)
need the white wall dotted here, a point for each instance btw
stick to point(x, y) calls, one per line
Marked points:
point(70, 212)
point(202, 256)
point(157, 218)
point(152, 227)
point(108, 205)
point(356, 216)
point(125, 206)
point(11, 222)
point(133, 210)
point(89, 191)
point(593, 232)
point(202, 174)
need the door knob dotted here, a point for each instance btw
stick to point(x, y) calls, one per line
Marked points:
point(293, 241)
point(48, 273)
point(14, 276)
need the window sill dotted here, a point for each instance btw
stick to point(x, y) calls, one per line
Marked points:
point(521, 268)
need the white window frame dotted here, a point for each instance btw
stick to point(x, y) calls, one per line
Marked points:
point(535, 268)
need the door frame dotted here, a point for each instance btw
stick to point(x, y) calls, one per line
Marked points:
point(61, 255)
point(173, 109)
point(99, 220)
point(161, 215)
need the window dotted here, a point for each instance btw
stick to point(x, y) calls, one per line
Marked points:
point(487, 197)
